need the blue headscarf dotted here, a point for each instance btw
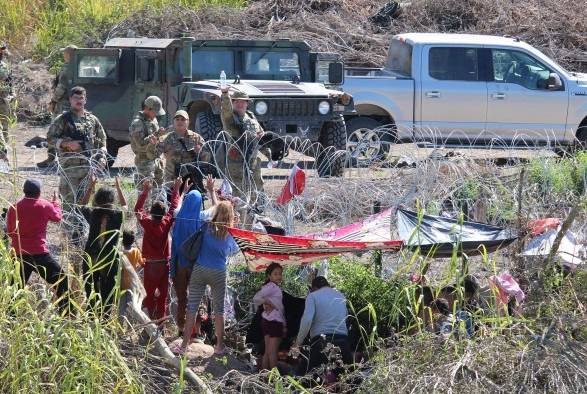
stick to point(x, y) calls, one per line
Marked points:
point(187, 222)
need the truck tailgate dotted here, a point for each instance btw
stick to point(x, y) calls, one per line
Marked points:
point(380, 95)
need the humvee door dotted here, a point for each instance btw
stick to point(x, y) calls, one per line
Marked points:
point(150, 78)
point(104, 72)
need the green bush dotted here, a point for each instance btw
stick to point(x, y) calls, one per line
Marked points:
point(380, 305)
point(560, 176)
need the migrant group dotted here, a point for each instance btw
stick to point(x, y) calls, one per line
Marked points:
point(184, 242)
point(162, 258)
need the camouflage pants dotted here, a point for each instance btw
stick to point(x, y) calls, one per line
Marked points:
point(247, 183)
point(70, 183)
point(5, 115)
point(152, 169)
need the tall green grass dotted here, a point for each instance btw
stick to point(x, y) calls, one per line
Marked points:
point(43, 26)
point(40, 351)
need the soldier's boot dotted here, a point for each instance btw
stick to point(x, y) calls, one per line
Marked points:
point(49, 161)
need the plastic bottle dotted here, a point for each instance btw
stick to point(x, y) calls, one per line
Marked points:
point(222, 80)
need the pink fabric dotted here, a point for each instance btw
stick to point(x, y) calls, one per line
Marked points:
point(508, 285)
point(27, 224)
point(270, 293)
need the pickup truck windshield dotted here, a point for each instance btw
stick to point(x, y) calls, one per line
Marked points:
point(399, 59)
point(272, 65)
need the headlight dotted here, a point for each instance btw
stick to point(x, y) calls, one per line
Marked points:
point(324, 107)
point(261, 107)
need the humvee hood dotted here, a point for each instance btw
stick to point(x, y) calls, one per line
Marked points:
point(274, 88)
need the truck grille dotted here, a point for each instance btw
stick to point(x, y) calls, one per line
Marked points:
point(292, 107)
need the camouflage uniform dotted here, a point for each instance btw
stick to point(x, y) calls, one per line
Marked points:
point(147, 158)
point(177, 153)
point(242, 163)
point(75, 166)
point(6, 95)
point(58, 97)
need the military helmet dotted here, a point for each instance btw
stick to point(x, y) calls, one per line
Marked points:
point(238, 95)
point(155, 103)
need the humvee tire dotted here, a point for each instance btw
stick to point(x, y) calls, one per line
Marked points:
point(207, 125)
point(329, 161)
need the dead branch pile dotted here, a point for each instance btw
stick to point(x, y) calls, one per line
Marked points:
point(558, 28)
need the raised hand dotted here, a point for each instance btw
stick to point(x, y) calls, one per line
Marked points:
point(187, 185)
point(209, 183)
point(147, 184)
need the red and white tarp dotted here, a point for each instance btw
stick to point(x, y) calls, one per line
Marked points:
point(262, 249)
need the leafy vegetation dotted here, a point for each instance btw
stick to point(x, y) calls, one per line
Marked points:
point(47, 25)
point(43, 352)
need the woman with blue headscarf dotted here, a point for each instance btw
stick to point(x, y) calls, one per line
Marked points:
point(187, 222)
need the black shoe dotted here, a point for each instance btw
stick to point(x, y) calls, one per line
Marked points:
point(46, 163)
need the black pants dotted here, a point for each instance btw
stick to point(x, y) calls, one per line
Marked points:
point(100, 278)
point(48, 269)
point(316, 356)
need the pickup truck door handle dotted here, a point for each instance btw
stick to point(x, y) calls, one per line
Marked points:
point(498, 96)
point(434, 94)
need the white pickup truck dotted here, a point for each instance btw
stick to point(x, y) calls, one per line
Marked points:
point(464, 90)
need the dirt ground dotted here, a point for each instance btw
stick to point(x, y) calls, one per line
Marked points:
point(26, 158)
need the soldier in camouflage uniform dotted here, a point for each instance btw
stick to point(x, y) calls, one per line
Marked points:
point(143, 127)
point(243, 167)
point(180, 146)
point(58, 97)
point(6, 95)
point(80, 142)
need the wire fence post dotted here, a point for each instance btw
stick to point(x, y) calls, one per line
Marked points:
point(377, 254)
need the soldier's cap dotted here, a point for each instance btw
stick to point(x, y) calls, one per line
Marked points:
point(68, 48)
point(240, 96)
point(155, 104)
point(181, 113)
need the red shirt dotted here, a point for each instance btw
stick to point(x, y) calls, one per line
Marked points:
point(156, 235)
point(27, 224)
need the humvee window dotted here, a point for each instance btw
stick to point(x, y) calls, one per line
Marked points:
point(92, 66)
point(274, 65)
point(211, 62)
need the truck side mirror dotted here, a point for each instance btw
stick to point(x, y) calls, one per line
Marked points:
point(554, 82)
point(335, 73)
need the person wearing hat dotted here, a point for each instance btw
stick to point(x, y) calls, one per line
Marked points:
point(27, 227)
point(6, 96)
point(80, 142)
point(180, 146)
point(243, 167)
point(143, 127)
point(58, 97)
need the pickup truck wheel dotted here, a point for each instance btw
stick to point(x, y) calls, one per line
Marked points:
point(581, 143)
point(112, 147)
point(207, 125)
point(331, 158)
point(367, 144)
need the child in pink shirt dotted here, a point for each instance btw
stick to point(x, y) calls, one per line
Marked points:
point(273, 316)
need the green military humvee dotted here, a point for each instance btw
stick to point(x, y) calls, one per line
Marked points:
point(292, 89)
